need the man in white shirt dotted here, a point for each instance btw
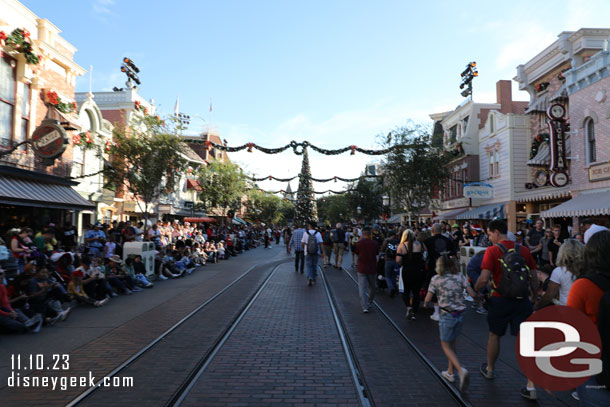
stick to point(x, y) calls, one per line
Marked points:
point(311, 252)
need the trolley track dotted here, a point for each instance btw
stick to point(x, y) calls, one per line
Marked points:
point(454, 394)
point(86, 396)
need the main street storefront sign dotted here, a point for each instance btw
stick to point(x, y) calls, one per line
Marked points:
point(599, 172)
point(558, 166)
point(49, 141)
point(455, 203)
point(479, 190)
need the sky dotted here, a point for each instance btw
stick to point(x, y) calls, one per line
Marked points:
point(332, 72)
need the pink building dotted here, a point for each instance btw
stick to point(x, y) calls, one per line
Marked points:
point(588, 86)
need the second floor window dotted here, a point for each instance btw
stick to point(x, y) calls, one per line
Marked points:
point(590, 137)
point(8, 91)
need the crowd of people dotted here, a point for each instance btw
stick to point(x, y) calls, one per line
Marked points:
point(513, 275)
point(44, 274)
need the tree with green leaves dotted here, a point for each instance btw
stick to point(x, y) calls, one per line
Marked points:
point(146, 159)
point(415, 171)
point(305, 208)
point(223, 186)
point(266, 207)
point(368, 196)
point(335, 208)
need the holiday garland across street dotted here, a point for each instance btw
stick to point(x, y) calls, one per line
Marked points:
point(335, 178)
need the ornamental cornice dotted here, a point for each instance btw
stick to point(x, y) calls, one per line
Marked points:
point(60, 59)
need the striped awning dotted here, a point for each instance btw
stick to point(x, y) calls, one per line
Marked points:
point(450, 214)
point(585, 204)
point(484, 212)
point(543, 158)
point(539, 104)
point(27, 192)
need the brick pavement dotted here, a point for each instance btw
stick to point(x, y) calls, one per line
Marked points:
point(104, 353)
point(393, 372)
point(162, 370)
point(286, 351)
point(471, 347)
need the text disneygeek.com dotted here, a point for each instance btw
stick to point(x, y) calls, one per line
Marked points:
point(41, 363)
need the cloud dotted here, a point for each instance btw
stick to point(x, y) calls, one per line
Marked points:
point(102, 9)
point(531, 39)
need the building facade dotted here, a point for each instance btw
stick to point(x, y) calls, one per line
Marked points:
point(544, 78)
point(37, 78)
point(588, 86)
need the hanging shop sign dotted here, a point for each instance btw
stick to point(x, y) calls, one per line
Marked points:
point(49, 140)
point(479, 190)
point(559, 165)
point(599, 172)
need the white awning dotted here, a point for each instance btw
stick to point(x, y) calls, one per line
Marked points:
point(561, 94)
point(539, 104)
point(484, 212)
point(543, 158)
point(450, 214)
point(585, 204)
point(396, 218)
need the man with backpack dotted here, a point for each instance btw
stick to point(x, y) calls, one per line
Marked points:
point(327, 245)
point(511, 271)
point(339, 240)
point(311, 243)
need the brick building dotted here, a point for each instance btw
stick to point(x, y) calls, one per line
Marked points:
point(588, 86)
point(544, 78)
point(32, 191)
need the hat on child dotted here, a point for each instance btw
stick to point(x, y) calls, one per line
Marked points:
point(117, 259)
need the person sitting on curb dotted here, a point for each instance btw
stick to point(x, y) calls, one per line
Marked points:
point(13, 320)
point(77, 291)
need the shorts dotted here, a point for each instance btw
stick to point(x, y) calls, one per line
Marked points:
point(328, 250)
point(339, 249)
point(450, 326)
point(503, 311)
point(354, 248)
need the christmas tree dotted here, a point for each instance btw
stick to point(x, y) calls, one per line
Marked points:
point(305, 209)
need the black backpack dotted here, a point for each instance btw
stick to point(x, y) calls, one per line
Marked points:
point(603, 326)
point(326, 238)
point(515, 280)
point(312, 243)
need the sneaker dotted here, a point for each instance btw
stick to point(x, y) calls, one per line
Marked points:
point(104, 301)
point(113, 294)
point(486, 373)
point(161, 277)
point(464, 380)
point(137, 289)
point(32, 322)
point(529, 394)
point(64, 314)
point(309, 282)
point(408, 314)
point(365, 311)
point(450, 377)
point(36, 328)
point(190, 270)
point(128, 291)
point(481, 310)
point(411, 315)
point(52, 321)
point(149, 285)
point(435, 317)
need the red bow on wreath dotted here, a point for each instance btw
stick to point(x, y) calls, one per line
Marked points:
point(270, 177)
point(208, 145)
point(250, 145)
point(353, 150)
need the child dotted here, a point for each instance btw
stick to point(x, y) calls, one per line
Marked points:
point(77, 291)
point(449, 286)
